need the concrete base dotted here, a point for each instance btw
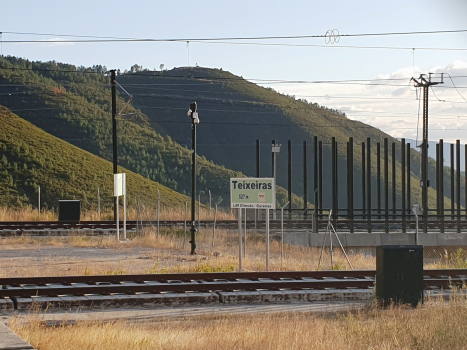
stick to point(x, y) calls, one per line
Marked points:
point(375, 239)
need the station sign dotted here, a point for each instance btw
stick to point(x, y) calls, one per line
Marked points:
point(252, 193)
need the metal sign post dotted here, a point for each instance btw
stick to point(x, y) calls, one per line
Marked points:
point(254, 193)
point(267, 239)
point(282, 231)
point(120, 190)
point(240, 257)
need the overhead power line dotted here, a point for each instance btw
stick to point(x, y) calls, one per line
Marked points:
point(94, 38)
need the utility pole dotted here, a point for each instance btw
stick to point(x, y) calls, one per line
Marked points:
point(114, 131)
point(193, 114)
point(425, 82)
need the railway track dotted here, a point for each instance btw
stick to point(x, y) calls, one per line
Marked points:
point(20, 227)
point(8, 228)
point(70, 292)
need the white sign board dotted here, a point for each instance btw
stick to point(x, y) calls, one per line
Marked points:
point(252, 193)
point(119, 184)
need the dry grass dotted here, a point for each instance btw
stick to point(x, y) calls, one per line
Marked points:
point(142, 213)
point(167, 253)
point(435, 325)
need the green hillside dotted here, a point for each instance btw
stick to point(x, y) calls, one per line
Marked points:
point(154, 134)
point(74, 105)
point(30, 157)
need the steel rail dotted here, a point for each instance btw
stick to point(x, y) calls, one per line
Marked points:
point(38, 225)
point(185, 277)
point(209, 282)
point(358, 224)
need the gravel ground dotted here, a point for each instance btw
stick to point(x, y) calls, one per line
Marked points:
point(47, 260)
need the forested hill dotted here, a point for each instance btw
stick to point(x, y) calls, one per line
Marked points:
point(154, 133)
point(31, 158)
point(73, 104)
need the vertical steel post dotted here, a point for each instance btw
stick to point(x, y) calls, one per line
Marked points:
point(305, 178)
point(465, 179)
point(441, 183)
point(378, 178)
point(350, 175)
point(273, 160)
point(193, 183)
point(114, 131)
point(258, 172)
point(437, 182)
point(320, 177)
point(394, 184)
point(386, 184)
point(334, 176)
point(258, 159)
point(363, 181)
point(452, 182)
point(409, 186)
point(368, 180)
point(458, 184)
point(403, 208)
point(289, 185)
point(425, 158)
point(336, 165)
point(315, 179)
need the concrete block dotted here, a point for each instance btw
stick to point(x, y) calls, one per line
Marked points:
point(340, 294)
point(427, 239)
point(37, 303)
point(240, 297)
point(450, 239)
point(317, 239)
point(6, 304)
point(296, 238)
point(278, 296)
point(362, 239)
point(397, 239)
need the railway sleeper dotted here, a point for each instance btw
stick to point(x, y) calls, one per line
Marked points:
point(90, 302)
point(148, 300)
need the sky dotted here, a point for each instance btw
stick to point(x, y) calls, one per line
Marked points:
point(308, 68)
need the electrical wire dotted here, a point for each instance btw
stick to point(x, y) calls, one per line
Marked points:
point(456, 87)
point(107, 38)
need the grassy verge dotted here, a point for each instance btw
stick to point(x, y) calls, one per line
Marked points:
point(140, 213)
point(169, 252)
point(435, 325)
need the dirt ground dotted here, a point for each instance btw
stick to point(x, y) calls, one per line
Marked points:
point(47, 260)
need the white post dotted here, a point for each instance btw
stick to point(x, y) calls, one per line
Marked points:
point(214, 226)
point(186, 211)
point(39, 201)
point(117, 219)
point(240, 262)
point(99, 202)
point(244, 240)
point(158, 211)
point(199, 212)
point(209, 203)
point(267, 239)
point(124, 216)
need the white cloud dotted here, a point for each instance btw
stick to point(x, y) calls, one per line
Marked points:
point(392, 105)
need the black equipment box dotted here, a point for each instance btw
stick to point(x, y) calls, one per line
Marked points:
point(69, 210)
point(399, 274)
